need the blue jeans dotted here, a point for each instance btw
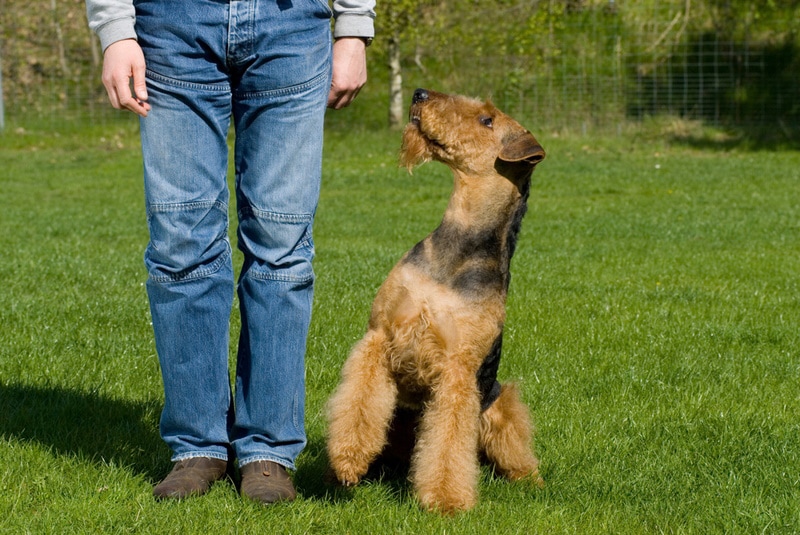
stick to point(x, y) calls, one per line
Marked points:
point(266, 65)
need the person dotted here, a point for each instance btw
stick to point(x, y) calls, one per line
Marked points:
point(271, 67)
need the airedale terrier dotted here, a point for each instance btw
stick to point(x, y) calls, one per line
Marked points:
point(435, 332)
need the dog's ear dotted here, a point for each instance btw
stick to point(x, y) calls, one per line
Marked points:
point(522, 148)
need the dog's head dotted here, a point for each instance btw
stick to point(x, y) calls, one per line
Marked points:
point(467, 134)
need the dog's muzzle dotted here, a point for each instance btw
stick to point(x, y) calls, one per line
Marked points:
point(420, 96)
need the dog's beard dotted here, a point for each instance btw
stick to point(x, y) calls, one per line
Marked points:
point(415, 149)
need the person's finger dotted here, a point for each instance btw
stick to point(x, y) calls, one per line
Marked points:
point(339, 98)
point(109, 83)
point(127, 100)
point(336, 99)
point(139, 84)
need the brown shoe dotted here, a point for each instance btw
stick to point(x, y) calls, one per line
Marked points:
point(266, 482)
point(191, 477)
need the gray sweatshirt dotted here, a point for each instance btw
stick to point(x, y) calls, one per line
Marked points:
point(113, 20)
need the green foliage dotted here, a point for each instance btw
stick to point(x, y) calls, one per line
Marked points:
point(576, 64)
point(403, 18)
point(652, 323)
point(48, 56)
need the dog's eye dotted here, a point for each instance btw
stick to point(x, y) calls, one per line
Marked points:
point(486, 121)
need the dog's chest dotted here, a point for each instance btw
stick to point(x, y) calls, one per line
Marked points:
point(431, 326)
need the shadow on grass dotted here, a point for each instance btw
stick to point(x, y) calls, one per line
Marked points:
point(99, 429)
point(85, 425)
point(313, 481)
point(753, 139)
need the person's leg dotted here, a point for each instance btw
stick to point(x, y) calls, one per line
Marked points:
point(190, 283)
point(279, 107)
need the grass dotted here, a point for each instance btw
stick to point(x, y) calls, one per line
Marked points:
point(653, 324)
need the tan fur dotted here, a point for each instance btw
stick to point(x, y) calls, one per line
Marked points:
point(431, 326)
point(505, 437)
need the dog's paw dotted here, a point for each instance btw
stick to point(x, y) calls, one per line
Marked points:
point(530, 476)
point(348, 482)
point(448, 503)
point(332, 478)
point(446, 506)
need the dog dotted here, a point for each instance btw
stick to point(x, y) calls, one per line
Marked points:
point(435, 332)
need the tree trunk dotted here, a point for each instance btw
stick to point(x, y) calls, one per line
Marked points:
point(396, 107)
point(60, 47)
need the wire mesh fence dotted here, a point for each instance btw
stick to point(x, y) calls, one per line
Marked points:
point(572, 64)
point(605, 63)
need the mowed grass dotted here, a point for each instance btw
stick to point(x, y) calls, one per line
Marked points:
point(653, 324)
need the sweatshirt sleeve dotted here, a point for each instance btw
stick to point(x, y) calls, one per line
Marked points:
point(111, 20)
point(354, 18)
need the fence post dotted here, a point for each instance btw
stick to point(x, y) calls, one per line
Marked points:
point(2, 110)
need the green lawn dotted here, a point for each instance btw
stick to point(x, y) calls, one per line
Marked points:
point(653, 322)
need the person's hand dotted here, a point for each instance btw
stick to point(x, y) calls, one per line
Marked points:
point(122, 61)
point(349, 71)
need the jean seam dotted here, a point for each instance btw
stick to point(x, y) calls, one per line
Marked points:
point(181, 206)
point(264, 457)
point(198, 454)
point(272, 277)
point(195, 274)
point(288, 90)
point(277, 217)
point(154, 76)
point(295, 418)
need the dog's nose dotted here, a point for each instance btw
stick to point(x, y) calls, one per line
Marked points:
point(420, 95)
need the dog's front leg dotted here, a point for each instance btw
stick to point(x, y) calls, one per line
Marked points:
point(506, 437)
point(360, 410)
point(444, 468)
